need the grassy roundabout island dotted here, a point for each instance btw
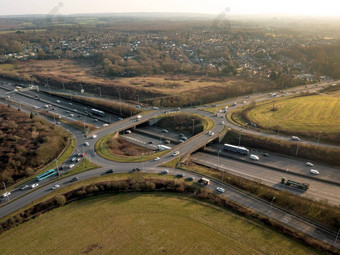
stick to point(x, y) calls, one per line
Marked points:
point(145, 224)
point(309, 116)
point(115, 148)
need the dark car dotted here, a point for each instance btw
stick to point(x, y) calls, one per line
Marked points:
point(136, 169)
point(179, 175)
point(265, 154)
point(110, 171)
point(75, 179)
point(150, 142)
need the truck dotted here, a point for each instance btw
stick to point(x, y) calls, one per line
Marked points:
point(298, 185)
point(204, 181)
point(237, 149)
point(163, 147)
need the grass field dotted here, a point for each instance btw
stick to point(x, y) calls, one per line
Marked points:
point(313, 113)
point(7, 67)
point(145, 224)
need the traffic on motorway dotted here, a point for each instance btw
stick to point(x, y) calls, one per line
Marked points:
point(180, 145)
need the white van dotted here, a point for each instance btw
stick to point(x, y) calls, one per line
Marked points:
point(295, 138)
point(254, 157)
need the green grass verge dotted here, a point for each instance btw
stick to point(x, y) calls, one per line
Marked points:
point(7, 67)
point(85, 165)
point(145, 224)
point(103, 152)
point(172, 163)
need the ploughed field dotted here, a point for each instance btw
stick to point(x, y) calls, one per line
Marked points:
point(145, 224)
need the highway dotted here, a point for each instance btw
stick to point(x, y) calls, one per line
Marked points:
point(192, 144)
point(318, 190)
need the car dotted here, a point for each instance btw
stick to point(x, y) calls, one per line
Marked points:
point(58, 101)
point(58, 123)
point(71, 115)
point(73, 159)
point(156, 159)
point(95, 120)
point(110, 171)
point(150, 142)
point(222, 123)
point(71, 166)
point(190, 178)
point(94, 136)
point(155, 108)
point(34, 185)
point(128, 132)
point(181, 135)
point(221, 190)
point(120, 118)
point(254, 157)
point(24, 187)
point(136, 169)
point(175, 153)
point(164, 131)
point(265, 154)
point(167, 141)
point(78, 159)
point(70, 103)
point(67, 111)
point(105, 125)
point(6, 194)
point(165, 171)
point(86, 144)
point(184, 138)
point(138, 106)
point(313, 171)
point(179, 175)
point(309, 164)
point(74, 179)
point(181, 141)
point(55, 186)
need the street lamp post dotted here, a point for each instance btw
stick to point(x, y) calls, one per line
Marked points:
point(319, 137)
point(271, 204)
point(336, 238)
point(142, 161)
point(193, 126)
point(239, 139)
point(3, 183)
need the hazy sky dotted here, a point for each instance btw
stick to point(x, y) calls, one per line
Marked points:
point(302, 7)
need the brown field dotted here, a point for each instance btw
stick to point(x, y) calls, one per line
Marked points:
point(166, 90)
point(119, 146)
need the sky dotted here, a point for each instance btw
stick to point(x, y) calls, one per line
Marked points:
point(234, 7)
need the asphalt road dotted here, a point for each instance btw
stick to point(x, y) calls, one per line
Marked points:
point(189, 146)
point(318, 190)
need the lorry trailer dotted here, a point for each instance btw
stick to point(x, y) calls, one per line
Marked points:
point(237, 149)
point(298, 185)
